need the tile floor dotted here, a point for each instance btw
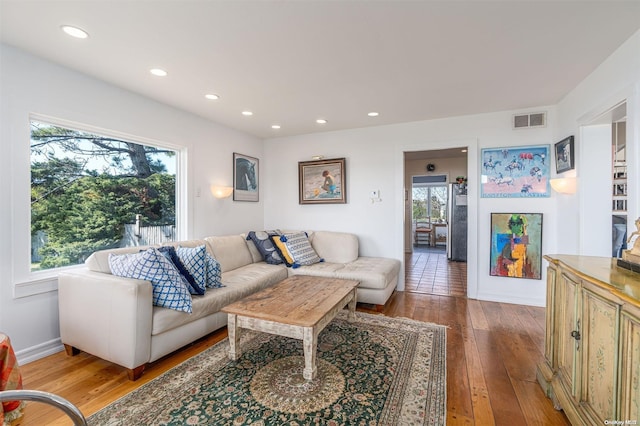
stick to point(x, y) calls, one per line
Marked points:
point(428, 271)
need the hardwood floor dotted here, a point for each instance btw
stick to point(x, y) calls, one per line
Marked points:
point(492, 352)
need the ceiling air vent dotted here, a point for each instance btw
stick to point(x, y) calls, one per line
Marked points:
point(535, 119)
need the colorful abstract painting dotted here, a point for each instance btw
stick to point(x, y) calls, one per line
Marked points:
point(519, 172)
point(516, 245)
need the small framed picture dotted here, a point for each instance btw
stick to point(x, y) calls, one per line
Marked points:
point(565, 156)
point(245, 178)
point(322, 182)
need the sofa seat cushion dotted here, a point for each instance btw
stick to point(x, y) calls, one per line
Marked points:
point(238, 283)
point(372, 272)
point(322, 269)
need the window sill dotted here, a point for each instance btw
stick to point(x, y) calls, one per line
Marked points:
point(34, 287)
point(41, 282)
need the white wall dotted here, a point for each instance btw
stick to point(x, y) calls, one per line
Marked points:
point(31, 85)
point(375, 160)
point(580, 216)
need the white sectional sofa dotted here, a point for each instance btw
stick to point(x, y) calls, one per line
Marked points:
point(113, 317)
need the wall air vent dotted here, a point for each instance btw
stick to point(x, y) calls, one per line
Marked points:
point(534, 119)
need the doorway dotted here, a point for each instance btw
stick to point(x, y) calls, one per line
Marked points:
point(427, 178)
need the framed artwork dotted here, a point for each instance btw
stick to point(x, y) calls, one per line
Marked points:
point(565, 157)
point(515, 172)
point(322, 181)
point(245, 178)
point(516, 245)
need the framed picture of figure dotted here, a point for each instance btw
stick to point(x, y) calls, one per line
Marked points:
point(322, 181)
point(516, 245)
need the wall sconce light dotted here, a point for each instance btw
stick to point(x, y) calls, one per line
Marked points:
point(567, 185)
point(220, 191)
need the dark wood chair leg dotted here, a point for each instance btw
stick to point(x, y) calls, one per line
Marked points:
point(70, 350)
point(135, 373)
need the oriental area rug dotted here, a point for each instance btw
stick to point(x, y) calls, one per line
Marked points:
point(375, 370)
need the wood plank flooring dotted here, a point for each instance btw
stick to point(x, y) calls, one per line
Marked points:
point(492, 352)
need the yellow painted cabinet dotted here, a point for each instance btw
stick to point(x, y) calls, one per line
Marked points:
point(592, 342)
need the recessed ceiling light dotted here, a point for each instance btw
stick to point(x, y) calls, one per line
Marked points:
point(247, 113)
point(321, 121)
point(158, 72)
point(275, 126)
point(212, 96)
point(373, 114)
point(74, 31)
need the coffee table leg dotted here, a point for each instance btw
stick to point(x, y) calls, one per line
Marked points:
point(310, 345)
point(352, 306)
point(234, 337)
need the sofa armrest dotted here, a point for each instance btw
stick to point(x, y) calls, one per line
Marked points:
point(106, 316)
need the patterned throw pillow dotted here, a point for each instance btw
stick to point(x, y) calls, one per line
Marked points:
point(281, 248)
point(262, 241)
point(300, 249)
point(170, 253)
point(169, 290)
point(193, 259)
point(214, 272)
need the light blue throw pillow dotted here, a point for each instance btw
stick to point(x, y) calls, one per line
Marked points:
point(169, 290)
point(194, 260)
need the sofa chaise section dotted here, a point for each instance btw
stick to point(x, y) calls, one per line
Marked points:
point(378, 276)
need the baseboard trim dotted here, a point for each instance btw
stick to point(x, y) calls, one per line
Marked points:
point(501, 298)
point(37, 352)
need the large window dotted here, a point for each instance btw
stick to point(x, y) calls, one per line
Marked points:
point(90, 192)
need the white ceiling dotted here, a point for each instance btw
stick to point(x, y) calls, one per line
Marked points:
point(291, 62)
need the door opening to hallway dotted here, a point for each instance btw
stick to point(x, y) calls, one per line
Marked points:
point(428, 177)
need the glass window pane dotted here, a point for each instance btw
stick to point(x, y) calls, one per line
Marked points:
point(90, 192)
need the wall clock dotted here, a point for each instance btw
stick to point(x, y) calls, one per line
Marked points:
point(431, 167)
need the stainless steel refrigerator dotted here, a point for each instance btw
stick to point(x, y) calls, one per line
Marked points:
point(457, 227)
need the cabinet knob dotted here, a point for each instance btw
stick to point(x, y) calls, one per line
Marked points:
point(575, 334)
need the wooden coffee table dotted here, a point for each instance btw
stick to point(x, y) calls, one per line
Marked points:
point(298, 307)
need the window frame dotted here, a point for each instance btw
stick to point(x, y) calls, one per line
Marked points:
point(445, 183)
point(27, 282)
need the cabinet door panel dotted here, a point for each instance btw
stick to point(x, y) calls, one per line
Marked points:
point(568, 346)
point(630, 395)
point(600, 356)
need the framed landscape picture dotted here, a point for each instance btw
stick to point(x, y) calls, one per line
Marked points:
point(515, 172)
point(245, 178)
point(565, 157)
point(322, 182)
point(516, 245)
